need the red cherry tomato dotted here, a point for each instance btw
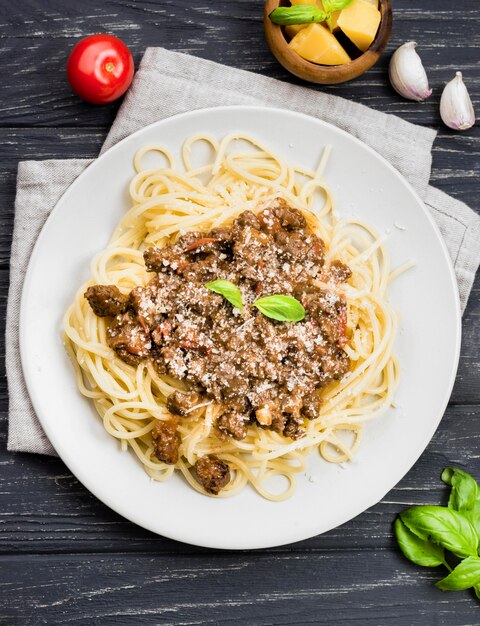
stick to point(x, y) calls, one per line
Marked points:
point(100, 68)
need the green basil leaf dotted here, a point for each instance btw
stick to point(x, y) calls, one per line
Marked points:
point(301, 14)
point(446, 527)
point(281, 308)
point(465, 495)
point(228, 290)
point(418, 550)
point(335, 5)
point(465, 490)
point(464, 576)
point(474, 517)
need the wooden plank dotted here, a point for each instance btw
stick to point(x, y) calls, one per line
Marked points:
point(248, 588)
point(44, 509)
point(35, 43)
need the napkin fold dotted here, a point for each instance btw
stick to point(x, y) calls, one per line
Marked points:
point(168, 83)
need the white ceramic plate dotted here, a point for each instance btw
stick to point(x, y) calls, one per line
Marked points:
point(363, 184)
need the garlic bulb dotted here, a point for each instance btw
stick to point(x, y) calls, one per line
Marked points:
point(456, 108)
point(407, 74)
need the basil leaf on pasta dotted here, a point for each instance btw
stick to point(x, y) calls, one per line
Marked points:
point(281, 308)
point(228, 290)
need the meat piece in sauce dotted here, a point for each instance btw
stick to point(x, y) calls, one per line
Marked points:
point(161, 332)
point(278, 423)
point(251, 245)
point(164, 259)
point(291, 219)
point(247, 218)
point(144, 301)
point(293, 429)
point(166, 441)
point(213, 473)
point(296, 246)
point(279, 217)
point(224, 236)
point(339, 272)
point(181, 403)
point(106, 300)
point(128, 337)
point(335, 366)
point(202, 245)
point(311, 406)
point(233, 424)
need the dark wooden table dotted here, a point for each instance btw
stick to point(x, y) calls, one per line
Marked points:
point(67, 559)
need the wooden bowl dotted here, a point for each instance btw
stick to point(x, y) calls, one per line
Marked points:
point(325, 74)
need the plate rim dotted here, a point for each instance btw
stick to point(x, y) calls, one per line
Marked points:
point(36, 401)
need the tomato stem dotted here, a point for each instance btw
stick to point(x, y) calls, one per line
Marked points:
point(110, 67)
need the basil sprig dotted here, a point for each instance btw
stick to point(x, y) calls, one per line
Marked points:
point(281, 308)
point(307, 14)
point(424, 533)
point(418, 550)
point(443, 526)
point(228, 290)
point(464, 576)
point(465, 494)
point(300, 14)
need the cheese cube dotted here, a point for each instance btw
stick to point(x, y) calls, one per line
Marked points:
point(317, 44)
point(292, 29)
point(332, 23)
point(360, 21)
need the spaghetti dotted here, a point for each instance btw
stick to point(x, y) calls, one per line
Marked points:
point(168, 202)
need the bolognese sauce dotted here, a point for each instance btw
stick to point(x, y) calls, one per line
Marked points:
point(255, 369)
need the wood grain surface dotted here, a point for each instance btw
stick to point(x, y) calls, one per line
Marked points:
point(65, 558)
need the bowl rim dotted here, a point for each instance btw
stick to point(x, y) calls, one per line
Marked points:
point(308, 70)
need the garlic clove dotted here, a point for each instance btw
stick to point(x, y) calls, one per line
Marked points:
point(456, 108)
point(407, 74)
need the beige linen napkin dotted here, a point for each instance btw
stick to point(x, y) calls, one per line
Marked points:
point(168, 83)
